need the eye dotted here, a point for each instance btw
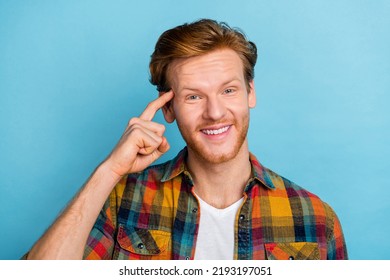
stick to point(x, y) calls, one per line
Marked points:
point(229, 91)
point(193, 97)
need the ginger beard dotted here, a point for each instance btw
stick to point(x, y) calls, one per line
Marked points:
point(206, 152)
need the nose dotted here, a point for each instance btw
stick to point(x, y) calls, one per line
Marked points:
point(215, 109)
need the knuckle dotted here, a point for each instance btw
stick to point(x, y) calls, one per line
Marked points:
point(151, 104)
point(149, 107)
point(161, 127)
point(135, 129)
point(133, 121)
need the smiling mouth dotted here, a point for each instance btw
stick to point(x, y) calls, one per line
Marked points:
point(215, 131)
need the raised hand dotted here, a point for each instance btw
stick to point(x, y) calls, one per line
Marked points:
point(143, 141)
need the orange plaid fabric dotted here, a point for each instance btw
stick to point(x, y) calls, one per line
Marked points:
point(154, 215)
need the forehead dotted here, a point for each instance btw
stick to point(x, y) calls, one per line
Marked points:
point(208, 68)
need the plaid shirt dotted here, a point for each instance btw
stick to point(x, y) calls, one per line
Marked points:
point(154, 215)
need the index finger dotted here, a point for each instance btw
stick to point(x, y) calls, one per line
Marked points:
point(155, 105)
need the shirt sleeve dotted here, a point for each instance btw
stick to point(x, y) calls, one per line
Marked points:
point(337, 249)
point(101, 240)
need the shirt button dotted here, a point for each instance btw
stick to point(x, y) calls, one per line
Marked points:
point(291, 258)
point(140, 246)
point(242, 217)
point(194, 210)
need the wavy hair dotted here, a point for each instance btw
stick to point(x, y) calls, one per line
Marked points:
point(195, 39)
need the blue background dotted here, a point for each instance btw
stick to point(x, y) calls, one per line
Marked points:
point(72, 73)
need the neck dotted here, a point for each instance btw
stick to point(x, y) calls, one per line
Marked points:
point(220, 184)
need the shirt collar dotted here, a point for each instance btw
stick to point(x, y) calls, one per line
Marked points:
point(177, 166)
point(260, 173)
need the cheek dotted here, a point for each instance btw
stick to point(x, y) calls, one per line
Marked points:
point(239, 107)
point(186, 113)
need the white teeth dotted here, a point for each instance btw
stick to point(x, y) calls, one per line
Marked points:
point(215, 131)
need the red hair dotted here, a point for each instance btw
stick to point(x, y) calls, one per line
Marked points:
point(195, 39)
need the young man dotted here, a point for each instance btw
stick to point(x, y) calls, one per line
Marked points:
point(214, 200)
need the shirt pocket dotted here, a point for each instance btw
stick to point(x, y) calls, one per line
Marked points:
point(292, 251)
point(142, 243)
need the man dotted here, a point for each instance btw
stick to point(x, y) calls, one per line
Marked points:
point(214, 200)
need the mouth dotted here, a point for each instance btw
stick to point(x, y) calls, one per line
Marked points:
point(218, 131)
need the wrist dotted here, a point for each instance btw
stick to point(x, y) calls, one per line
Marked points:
point(107, 168)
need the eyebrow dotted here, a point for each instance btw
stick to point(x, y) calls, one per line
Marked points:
point(229, 81)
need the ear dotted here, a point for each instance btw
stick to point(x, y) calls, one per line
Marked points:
point(167, 109)
point(252, 95)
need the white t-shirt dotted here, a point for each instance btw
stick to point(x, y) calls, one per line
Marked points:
point(216, 232)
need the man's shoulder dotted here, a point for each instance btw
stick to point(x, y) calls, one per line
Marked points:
point(282, 186)
point(305, 196)
point(300, 199)
point(152, 177)
point(161, 172)
point(273, 180)
point(156, 171)
point(290, 186)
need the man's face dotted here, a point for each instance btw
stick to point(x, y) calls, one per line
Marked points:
point(211, 104)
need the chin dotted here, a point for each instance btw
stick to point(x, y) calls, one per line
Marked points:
point(215, 157)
